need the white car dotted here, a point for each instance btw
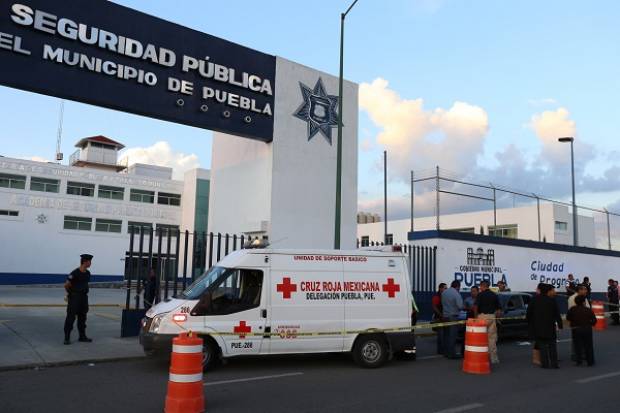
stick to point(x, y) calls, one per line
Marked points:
point(269, 301)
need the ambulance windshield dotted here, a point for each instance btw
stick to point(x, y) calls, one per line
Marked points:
point(195, 290)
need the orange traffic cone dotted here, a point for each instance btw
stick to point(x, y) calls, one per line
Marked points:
point(185, 388)
point(476, 359)
point(599, 311)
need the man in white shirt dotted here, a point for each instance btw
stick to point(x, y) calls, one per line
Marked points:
point(583, 291)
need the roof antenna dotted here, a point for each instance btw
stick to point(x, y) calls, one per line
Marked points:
point(59, 154)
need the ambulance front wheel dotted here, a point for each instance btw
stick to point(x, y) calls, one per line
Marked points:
point(210, 354)
point(370, 351)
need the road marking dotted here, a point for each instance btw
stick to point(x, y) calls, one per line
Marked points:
point(595, 378)
point(275, 376)
point(463, 408)
point(429, 357)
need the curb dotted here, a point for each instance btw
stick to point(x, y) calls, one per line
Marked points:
point(46, 365)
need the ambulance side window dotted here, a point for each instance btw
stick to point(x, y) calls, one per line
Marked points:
point(239, 291)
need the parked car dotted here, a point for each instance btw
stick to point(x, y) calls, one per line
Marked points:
point(513, 305)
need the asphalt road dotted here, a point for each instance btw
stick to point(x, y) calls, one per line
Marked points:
point(332, 383)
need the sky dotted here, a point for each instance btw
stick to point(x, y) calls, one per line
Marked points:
point(481, 88)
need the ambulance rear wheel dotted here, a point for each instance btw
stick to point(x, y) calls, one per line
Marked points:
point(210, 354)
point(370, 351)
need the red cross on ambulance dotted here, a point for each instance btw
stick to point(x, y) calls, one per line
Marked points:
point(286, 288)
point(242, 329)
point(391, 288)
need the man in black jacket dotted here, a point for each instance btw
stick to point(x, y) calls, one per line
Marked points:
point(612, 298)
point(543, 315)
point(582, 319)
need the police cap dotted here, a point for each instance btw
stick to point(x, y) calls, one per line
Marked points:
point(86, 257)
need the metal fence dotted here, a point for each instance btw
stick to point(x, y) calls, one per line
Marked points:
point(175, 258)
point(470, 196)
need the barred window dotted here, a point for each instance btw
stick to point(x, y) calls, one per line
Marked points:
point(12, 181)
point(111, 192)
point(78, 223)
point(135, 226)
point(165, 229)
point(80, 188)
point(168, 199)
point(108, 225)
point(44, 184)
point(138, 195)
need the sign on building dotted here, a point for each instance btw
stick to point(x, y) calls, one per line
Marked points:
point(104, 54)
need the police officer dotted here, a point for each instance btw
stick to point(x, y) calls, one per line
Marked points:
point(77, 302)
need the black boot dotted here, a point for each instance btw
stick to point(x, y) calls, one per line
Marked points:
point(85, 339)
point(67, 340)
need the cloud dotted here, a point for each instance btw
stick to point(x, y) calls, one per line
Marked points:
point(37, 159)
point(161, 154)
point(419, 138)
point(413, 135)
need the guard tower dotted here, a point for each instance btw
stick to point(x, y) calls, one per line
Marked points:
point(98, 152)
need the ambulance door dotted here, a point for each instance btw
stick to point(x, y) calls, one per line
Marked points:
point(307, 311)
point(378, 296)
point(235, 306)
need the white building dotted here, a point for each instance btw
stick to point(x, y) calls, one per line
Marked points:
point(52, 213)
point(556, 225)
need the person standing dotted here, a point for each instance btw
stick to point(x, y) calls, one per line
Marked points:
point(582, 319)
point(438, 316)
point(543, 315)
point(586, 282)
point(501, 287)
point(452, 304)
point(470, 301)
point(582, 291)
point(77, 299)
point(612, 298)
point(488, 308)
point(571, 285)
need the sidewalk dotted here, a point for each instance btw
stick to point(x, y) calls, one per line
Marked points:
point(33, 336)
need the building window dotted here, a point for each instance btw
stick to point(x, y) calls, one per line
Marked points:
point(8, 213)
point(135, 226)
point(470, 230)
point(12, 181)
point(137, 195)
point(111, 192)
point(389, 239)
point(168, 199)
point(504, 231)
point(561, 226)
point(102, 145)
point(78, 223)
point(365, 241)
point(44, 185)
point(165, 229)
point(80, 188)
point(108, 225)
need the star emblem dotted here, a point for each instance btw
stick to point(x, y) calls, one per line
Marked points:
point(41, 219)
point(319, 110)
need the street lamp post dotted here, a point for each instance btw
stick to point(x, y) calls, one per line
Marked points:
point(339, 141)
point(572, 168)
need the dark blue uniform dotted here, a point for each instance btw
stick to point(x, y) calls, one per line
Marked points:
point(77, 305)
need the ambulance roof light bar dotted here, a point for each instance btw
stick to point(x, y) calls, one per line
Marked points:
point(256, 244)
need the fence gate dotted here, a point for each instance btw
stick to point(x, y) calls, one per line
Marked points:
point(423, 273)
point(165, 262)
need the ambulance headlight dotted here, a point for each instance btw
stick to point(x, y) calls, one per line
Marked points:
point(155, 324)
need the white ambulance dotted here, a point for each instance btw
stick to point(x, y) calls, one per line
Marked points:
point(269, 301)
